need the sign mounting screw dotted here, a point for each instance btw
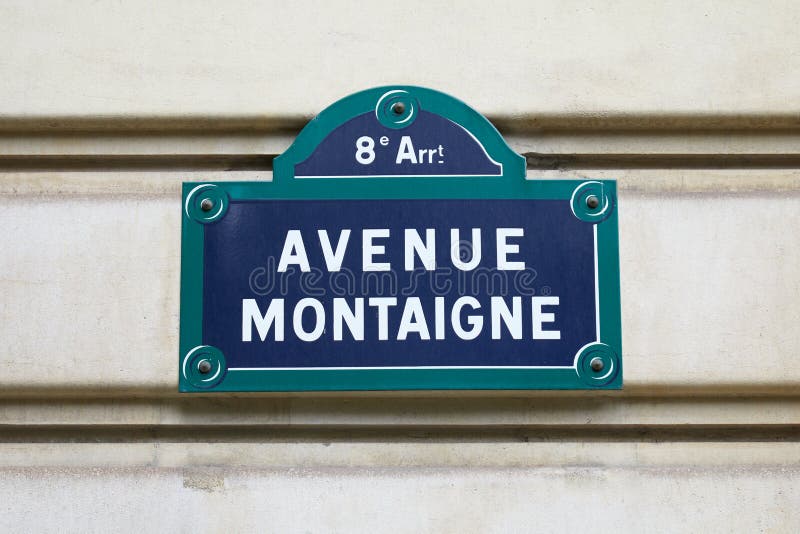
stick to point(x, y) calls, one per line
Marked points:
point(592, 202)
point(204, 367)
point(597, 364)
point(398, 108)
point(206, 204)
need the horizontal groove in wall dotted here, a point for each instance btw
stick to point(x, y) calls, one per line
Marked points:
point(253, 143)
point(409, 413)
point(263, 162)
point(661, 161)
point(636, 122)
point(345, 434)
point(156, 162)
point(197, 460)
point(60, 186)
point(597, 121)
point(659, 390)
point(156, 124)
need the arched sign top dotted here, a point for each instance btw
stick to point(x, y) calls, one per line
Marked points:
point(403, 132)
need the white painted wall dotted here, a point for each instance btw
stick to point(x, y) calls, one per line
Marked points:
point(510, 58)
point(704, 437)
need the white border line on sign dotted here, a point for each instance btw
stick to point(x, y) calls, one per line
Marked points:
point(596, 288)
point(409, 176)
point(406, 367)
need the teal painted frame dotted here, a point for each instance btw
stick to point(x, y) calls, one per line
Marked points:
point(511, 185)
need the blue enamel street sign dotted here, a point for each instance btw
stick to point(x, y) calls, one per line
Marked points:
point(400, 246)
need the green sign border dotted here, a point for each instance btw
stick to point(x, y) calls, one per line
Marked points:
point(511, 185)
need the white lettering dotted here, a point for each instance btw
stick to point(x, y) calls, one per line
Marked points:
point(319, 318)
point(370, 250)
point(473, 247)
point(539, 317)
point(426, 250)
point(252, 315)
point(476, 321)
point(512, 320)
point(353, 318)
point(294, 252)
point(406, 150)
point(413, 320)
point(439, 312)
point(333, 259)
point(504, 248)
point(383, 303)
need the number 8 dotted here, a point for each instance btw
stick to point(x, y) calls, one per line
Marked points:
point(365, 153)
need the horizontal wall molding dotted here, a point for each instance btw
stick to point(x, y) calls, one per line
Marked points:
point(596, 121)
point(263, 162)
point(137, 184)
point(276, 435)
point(702, 417)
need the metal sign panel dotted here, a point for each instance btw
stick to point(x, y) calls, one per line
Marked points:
point(399, 246)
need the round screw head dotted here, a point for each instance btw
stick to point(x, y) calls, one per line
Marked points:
point(204, 367)
point(592, 202)
point(206, 204)
point(398, 108)
point(597, 364)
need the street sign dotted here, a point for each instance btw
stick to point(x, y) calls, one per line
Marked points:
point(400, 246)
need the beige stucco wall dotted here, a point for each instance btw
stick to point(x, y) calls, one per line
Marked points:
point(105, 109)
